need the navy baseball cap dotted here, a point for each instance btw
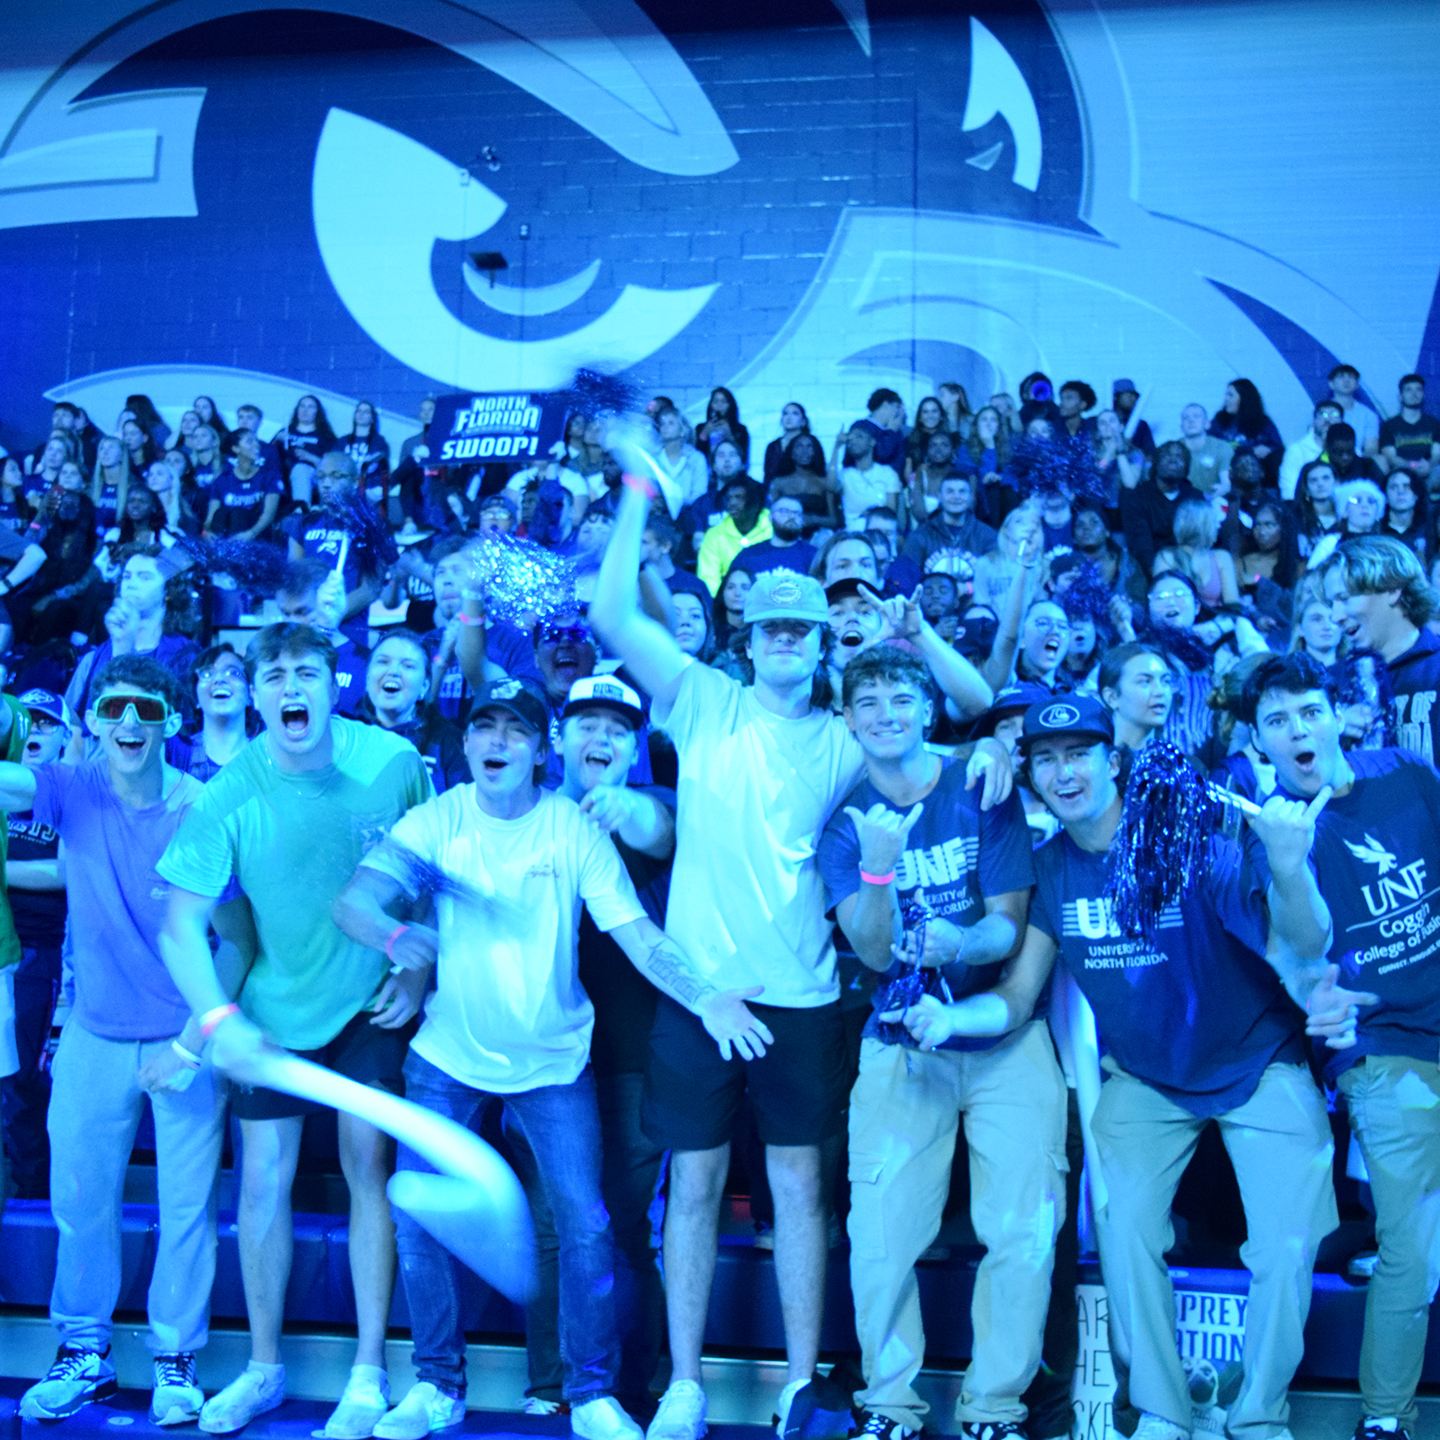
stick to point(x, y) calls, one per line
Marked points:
point(1081, 715)
point(520, 697)
point(45, 702)
point(1009, 701)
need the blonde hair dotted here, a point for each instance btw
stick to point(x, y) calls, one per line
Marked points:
point(1197, 526)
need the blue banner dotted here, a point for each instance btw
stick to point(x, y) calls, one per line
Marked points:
point(471, 429)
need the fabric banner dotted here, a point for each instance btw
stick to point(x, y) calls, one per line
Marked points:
point(473, 428)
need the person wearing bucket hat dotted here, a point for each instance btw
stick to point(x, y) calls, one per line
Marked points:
point(1196, 1026)
point(761, 768)
point(510, 1021)
point(1005, 719)
point(912, 833)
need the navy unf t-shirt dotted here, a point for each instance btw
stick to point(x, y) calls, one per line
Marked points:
point(1377, 861)
point(1198, 1015)
point(1415, 676)
point(957, 854)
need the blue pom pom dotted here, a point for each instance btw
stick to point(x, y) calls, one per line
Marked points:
point(1043, 465)
point(593, 394)
point(1087, 596)
point(1162, 849)
point(523, 582)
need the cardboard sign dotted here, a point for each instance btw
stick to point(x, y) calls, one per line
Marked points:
point(471, 429)
point(1209, 1334)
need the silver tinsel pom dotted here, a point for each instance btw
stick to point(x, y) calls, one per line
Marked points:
point(523, 582)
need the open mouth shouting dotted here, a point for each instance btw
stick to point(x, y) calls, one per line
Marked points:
point(392, 686)
point(595, 763)
point(295, 720)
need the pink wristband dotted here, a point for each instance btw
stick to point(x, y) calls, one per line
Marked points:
point(390, 943)
point(211, 1018)
point(870, 879)
point(640, 483)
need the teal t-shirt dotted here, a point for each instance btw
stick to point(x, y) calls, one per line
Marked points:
point(293, 842)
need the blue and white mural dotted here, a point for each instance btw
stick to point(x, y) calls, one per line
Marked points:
point(800, 200)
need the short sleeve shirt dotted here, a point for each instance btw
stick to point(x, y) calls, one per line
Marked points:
point(958, 855)
point(508, 1012)
point(293, 842)
point(117, 897)
point(747, 903)
point(1376, 858)
point(1197, 1014)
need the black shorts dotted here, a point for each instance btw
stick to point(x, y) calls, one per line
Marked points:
point(797, 1088)
point(361, 1052)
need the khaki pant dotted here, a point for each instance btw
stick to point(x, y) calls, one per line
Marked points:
point(904, 1117)
point(1280, 1143)
point(1395, 1113)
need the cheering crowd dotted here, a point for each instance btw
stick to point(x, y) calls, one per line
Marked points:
point(773, 837)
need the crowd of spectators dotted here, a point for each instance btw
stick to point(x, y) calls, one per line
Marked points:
point(820, 700)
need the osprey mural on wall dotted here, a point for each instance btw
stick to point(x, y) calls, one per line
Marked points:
point(222, 197)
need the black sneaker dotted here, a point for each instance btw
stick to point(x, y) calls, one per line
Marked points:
point(1369, 1429)
point(882, 1427)
point(77, 1378)
point(992, 1430)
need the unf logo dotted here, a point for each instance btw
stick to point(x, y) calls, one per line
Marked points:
point(1056, 717)
point(1093, 918)
point(785, 592)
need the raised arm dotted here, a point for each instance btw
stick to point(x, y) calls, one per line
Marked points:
point(1299, 916)
point(647, 648)
point(17, 783)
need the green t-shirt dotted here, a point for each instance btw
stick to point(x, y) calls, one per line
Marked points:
point(293, 842)
point(14, 749)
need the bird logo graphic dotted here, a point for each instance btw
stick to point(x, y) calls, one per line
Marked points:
point(1372, 852)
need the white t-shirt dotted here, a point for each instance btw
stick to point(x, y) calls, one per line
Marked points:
point(1364, 422)
point(746, 900)
point(862, 489)
point(508, 1013)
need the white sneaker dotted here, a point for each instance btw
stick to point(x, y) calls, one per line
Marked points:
point(175, 1398)
point(603, 1419)
point(1155, 1427)
point(365, 1400)
point(426, 1409)
point(681, 1415)
point(252, 1392)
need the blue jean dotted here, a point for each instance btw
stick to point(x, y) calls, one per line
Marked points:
point(630, 1175)
point(561, 1125)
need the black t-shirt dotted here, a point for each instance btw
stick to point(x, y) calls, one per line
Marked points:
point(1412, 439)
point(958, 855)
point(1376, 852)
point(39, 914)
point(623, 998)
point(1198, 1015)
point(241, 501)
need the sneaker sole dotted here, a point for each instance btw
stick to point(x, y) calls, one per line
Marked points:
point(101, 1392)
point(434, 1429)
point(357, 1431)
point(212, 1429)
point(175, 1415)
